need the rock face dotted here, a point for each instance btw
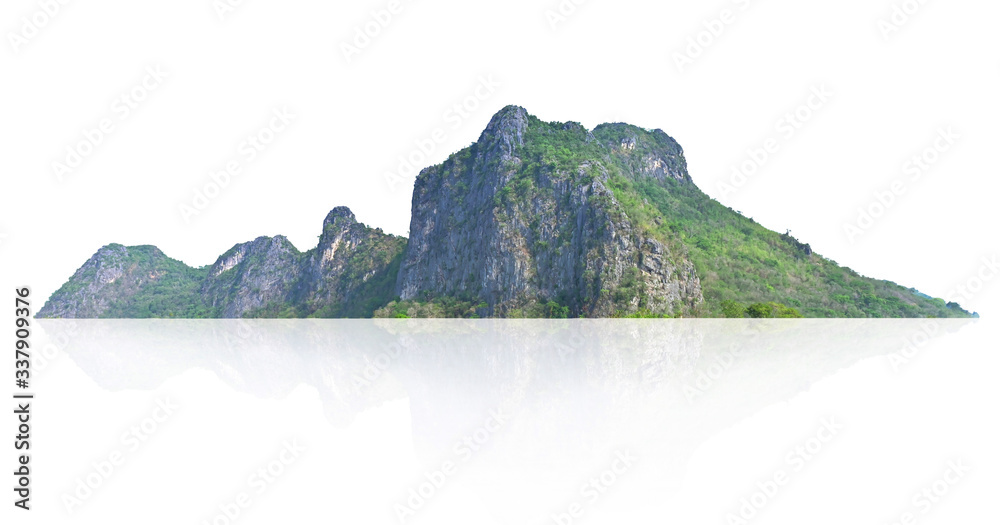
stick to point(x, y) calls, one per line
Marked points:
point(350, 273)
point(117, 277)
point(526, 216)
point(353, 269)
point(253, 276)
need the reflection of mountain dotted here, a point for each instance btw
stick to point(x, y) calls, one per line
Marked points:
point(573, 387)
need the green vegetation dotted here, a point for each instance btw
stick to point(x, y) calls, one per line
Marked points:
point(540, 310)
point(369, 291)
point(173, 294)
point(642, 313)
point(444, 308)
point(152, 285)
point(452, 308)
point(740, 261)
point(733, 309)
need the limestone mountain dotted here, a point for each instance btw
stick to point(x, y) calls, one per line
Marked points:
point(138, 281)
point(349, 274)
point(528, 215)
point(534, 219)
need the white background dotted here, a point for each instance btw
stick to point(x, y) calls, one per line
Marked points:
point(607, 61)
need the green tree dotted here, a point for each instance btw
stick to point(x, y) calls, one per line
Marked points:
point(772, 310)
point(733, 309)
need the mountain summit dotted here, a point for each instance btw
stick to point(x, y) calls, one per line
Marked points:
point(535, 219)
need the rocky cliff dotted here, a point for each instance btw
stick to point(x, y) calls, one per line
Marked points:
point(527, 216)
point(352, 271)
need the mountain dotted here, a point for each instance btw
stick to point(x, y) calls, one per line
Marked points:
point(349, 274)
point(535, 219)
point(528, 215)
point(139, 281)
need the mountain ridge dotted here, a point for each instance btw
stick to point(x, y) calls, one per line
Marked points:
point(534, 219)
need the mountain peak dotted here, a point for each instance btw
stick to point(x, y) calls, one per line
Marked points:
point(509, 111)
point(507, 129)
point(341, 215)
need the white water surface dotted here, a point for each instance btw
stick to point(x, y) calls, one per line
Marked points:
point(519, 422)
